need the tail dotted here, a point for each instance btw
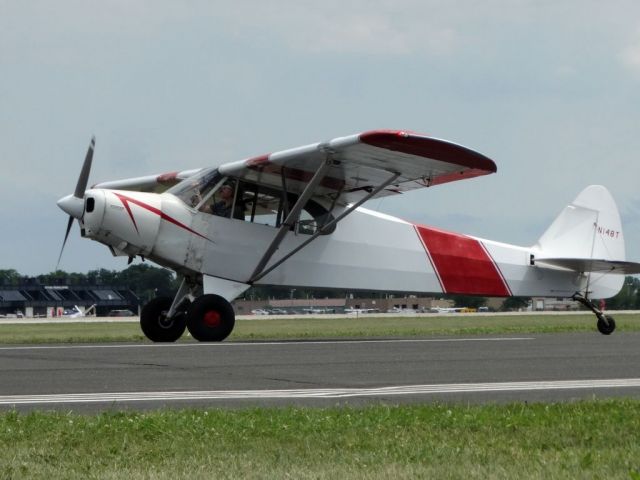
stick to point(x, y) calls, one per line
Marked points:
point(587, 238)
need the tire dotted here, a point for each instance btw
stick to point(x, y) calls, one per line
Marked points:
point(155, 324)
point(210, 318)
point(606, 327)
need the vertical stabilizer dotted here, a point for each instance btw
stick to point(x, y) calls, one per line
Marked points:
point(588, 228)
point(587, 237)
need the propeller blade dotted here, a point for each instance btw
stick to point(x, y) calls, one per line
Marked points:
point(83, 179)
point(74, 205)
point(66, 235)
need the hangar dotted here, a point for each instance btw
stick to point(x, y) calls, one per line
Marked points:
point(32, 299)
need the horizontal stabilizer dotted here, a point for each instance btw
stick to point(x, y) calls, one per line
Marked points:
point(586, 265)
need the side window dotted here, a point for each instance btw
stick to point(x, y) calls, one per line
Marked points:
point(268, 206)
point(261, 205)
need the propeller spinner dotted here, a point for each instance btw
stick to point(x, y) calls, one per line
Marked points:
point(74, 204)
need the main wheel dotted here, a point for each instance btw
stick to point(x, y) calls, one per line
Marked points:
point(210, 318)
point(606, 327)
point(157, 326)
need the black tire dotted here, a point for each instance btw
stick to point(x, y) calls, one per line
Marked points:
point(155, 324)
point(606, 327)
point(210, 318)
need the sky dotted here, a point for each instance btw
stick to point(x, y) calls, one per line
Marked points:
point(550, 90)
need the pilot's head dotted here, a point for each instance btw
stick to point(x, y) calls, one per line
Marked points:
point(226, 191)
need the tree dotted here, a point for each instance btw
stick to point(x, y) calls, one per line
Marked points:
point(515, 303)
point(9, 277)
point(467, 301)
point(629, 296)
point(148, 282)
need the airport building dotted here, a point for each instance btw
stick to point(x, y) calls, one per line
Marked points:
point(31, 299)
point(339, 305)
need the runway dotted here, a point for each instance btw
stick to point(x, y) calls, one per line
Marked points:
point(553, 367)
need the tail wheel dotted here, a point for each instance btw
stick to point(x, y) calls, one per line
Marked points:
point(210, 318)
point(606, 325)
point(155, 324)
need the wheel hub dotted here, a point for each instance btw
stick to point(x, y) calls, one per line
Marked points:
point(165, 321)
point(212, 319)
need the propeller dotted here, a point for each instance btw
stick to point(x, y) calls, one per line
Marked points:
point(74, 204)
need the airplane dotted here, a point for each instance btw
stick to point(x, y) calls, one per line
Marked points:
point(76, 312)
point(295, 218)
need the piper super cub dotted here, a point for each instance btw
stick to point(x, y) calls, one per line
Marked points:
point(294, 218)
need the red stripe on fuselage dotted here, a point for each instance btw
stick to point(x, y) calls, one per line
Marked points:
point(125, 201)
point(462, 264)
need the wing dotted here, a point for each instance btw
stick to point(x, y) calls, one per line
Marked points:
point(364, 161)
point(149, 183)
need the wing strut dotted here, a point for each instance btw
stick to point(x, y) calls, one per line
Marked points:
point(293, 215)
point(258, 274)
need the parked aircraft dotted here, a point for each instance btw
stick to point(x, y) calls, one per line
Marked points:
point(295, 218)
point(76, 312)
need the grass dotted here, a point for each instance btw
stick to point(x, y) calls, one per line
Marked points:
point(587, 439)
point(590, 439)
point(317, 328)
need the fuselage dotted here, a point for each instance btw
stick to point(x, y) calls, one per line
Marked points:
point(366, 251)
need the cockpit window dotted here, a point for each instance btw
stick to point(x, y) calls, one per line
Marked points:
point(212, 193)
point(196, 189)
point(268, 206)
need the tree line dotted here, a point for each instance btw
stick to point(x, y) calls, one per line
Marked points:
point(147, 282)
point(144, 280)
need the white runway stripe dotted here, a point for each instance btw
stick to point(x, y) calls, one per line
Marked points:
point(317, 393)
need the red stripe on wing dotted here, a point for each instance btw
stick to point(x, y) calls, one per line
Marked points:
point(462, 264)
point(413, 144)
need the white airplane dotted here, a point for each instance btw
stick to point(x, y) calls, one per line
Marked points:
point(294, 218)
point(76, 312)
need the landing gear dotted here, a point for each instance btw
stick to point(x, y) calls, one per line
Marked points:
point(210, 318)
point(606, 324)
point(157, 325)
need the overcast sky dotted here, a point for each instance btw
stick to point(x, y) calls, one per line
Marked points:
point(550, 90)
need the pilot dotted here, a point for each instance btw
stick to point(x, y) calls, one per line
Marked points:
point(223, 207)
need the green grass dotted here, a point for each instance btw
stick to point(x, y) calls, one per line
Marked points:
point(318, 328)
point(591, 439)
point(307, 328)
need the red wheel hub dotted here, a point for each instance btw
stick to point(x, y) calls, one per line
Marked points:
point(212, 319)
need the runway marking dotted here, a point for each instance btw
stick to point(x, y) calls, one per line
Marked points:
point(244, 344)
point(321, 393)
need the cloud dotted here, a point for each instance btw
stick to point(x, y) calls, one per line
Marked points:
point(630, 55)
point(357, 27)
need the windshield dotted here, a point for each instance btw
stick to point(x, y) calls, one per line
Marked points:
point(196, 188)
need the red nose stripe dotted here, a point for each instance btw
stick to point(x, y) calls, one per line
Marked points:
point(125, 201)
point(462, 264)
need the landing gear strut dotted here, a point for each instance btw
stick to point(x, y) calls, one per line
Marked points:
point(606, 324)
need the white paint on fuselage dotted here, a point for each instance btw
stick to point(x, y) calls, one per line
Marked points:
point(367, 251)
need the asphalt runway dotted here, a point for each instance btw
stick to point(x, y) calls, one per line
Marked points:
point(476, 369)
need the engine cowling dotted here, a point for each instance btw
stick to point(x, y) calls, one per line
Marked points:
point(128, 222)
